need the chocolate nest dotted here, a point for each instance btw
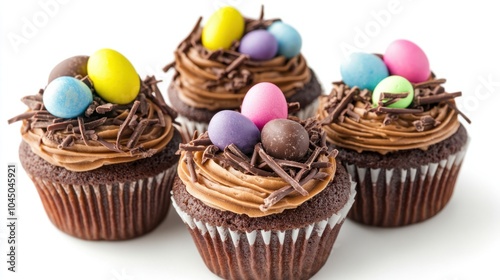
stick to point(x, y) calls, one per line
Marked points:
point(99, 113)
point(295, 173)
point(427, 94)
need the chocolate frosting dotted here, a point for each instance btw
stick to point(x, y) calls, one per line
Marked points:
point(259, 185)
point(106, 134)
point(351, 121)
point(216, 80)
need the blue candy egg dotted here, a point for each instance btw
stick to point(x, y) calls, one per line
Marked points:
point(67, 97)
point(364, 70)
point(230, 127)
point(289, 40)
point(259, 45)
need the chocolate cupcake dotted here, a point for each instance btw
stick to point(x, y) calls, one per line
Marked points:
point(398, 134)
point(214, 70)
point(101, 157)
point(271, 211)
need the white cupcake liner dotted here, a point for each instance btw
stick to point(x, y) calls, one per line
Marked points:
point(188, 127)
point(115, 211)
point(266, 254)
point(397, 197)
point(308, 111)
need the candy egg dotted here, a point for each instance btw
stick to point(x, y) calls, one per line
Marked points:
point(72, 67)
point(363, 70)
point(264, 102)
point(259, 45)
point(289, 40)
point(230, 127)
point(285, 139)
point(113, 76)
point(67, 97)
point(405, 58)
point(224, 27)
point(394, 84)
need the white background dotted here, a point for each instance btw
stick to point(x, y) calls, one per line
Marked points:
point(461, 41)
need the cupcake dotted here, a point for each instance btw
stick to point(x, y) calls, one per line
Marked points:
point(262, 204)
point(398, 134)
point(99, 145)
point(217, 63)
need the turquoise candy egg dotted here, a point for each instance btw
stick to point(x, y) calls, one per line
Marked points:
point(67, 97)
point(364, 70)
point(289, 40)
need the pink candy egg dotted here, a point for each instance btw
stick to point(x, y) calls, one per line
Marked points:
point(406, 59)
point(264, 102)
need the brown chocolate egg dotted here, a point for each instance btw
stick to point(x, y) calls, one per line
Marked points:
point(73, 66)
point(285, 139)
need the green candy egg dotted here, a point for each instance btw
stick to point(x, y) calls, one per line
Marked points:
point(222, 28)
point(113, 76)
point(394, 84)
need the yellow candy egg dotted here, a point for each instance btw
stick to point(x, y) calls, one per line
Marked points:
point(113, 76)
point(222, 28)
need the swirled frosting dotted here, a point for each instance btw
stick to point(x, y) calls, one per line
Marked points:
point(229, 189)
point(217, 80)
point(107, 134)
point(360, 127)
point(229, 181)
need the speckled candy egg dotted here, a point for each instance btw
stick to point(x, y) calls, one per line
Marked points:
point(285, 139)
point(224, 27)
point(394, 84)
point(364, 70)
point(67, 97)
point(264, 102)
point(230, 127)
point(259, 45)
point(73, 66)
point(113, 76)
point(289, 40)
point(405, 58)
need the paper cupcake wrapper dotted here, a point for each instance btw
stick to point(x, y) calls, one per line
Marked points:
point(308, 111)
point(188, 127)
point(109, 211)
point(397, 197)
point(266, 254)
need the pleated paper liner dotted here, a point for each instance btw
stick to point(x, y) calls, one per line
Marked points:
point(290, 254)
point(398, 197)
point(116, 211)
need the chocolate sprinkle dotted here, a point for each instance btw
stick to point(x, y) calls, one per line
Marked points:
point(341, 106)
point(399, 110)
point(67, 142)
point(102, 109)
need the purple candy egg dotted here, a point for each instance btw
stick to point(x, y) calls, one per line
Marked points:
point(259, 45)
point(230, 127)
